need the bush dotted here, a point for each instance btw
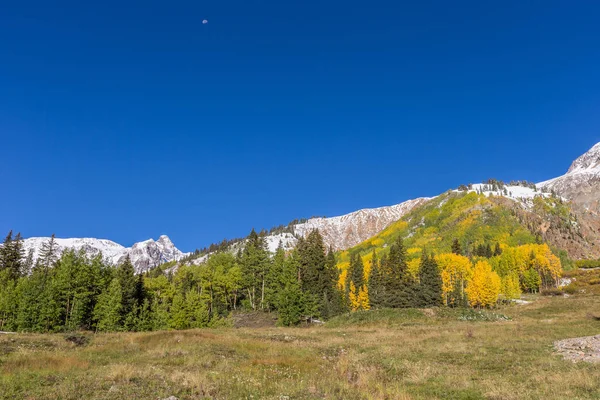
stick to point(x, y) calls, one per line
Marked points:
point(551, 292)
point(78, 339)
point(570, 289)
point(587, 263)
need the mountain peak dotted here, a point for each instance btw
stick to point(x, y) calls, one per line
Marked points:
point(588, 161)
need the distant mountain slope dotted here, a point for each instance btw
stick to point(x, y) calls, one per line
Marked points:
point(348, 230)
point(507, 215)
point(581, 183)
point(144, 255)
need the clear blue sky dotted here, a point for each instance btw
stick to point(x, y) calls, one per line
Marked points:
point(126, 120)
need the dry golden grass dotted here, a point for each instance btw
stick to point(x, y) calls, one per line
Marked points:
point(388, 354)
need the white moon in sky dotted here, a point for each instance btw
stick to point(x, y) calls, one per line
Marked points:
point(205, 21)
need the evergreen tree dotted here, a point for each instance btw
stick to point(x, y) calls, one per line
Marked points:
point(375, 284)
point(456, 248)
point(430, 282)
point(48, 254)
point(318, 276)
point(497, 250)
point(108, 310)
point(399, 286)
point(11, 256)
point(254, 262)
point(290, 304)
point(488, 251)
point(125, 275)
point(27, 266)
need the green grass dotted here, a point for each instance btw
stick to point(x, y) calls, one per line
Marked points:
point(385, 354)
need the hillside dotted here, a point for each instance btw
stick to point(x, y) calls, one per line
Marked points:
point(509, 216)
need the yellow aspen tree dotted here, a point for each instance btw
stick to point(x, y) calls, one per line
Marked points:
point(413, 267)
point(353, 296)
point(456, 271)
point(484, 288)
point(511, 289)
point(363, 298)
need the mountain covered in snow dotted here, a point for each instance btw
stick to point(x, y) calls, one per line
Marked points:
point(581, 183)
point(349, 230)
point(144, 255)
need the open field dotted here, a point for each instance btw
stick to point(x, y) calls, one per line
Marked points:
point(388, 354)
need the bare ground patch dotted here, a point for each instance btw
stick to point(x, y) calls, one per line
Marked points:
point(585, 348)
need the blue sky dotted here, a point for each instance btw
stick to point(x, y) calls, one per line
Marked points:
point(127, 120)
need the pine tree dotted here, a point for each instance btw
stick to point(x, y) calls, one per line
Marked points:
point(497, 250)
point(290, 304)
point(375, 284)
point(254, 261)
point(48, 254)
point(28, 264)
point(108, 310)
point(399, 286)
point(11, 256)
point(125, 275)
point(456, 248)
point(430, 282)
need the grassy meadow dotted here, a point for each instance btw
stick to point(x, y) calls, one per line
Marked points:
point(387, 354)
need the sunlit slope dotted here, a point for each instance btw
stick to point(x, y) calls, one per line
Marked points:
point(473, 219)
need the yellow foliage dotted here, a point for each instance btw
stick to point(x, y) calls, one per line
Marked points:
point(413, 251)
point(456, 271)
point(517, 260)
point(359, 299)
point(342, 278)
point(367, 264)
point(511, 289)
point(413, 267)
point(363, 298)
point(377, 242)
point(353, 297)
point(484, 287)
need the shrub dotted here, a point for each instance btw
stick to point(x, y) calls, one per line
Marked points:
point(551, 292)
point(77, 339)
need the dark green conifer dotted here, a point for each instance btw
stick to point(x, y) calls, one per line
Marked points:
point(456, 248)
point(430, 282)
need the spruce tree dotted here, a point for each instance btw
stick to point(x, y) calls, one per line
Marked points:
point(48, 254)
point(27, 266)
point(127, 280)
point(497, 250)
point(456, 248)
point(398, 284)
point(254, 262)
point(108, 310)
point(375, 284)
point(11, 256)
point(430, 282)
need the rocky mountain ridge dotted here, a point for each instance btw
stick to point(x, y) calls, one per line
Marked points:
point(144, 255)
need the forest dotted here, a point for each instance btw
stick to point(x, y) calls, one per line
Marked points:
point(72, 291)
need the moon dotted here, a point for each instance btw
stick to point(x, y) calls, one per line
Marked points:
point(204, 21)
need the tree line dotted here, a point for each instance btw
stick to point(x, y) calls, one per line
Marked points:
point(72, 291)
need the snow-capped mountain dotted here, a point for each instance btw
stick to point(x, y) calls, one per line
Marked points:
point(144, 255)
point(581, 183)
point(349, 230)
point(340, 232)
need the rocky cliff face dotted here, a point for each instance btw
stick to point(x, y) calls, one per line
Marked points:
point(144, 255)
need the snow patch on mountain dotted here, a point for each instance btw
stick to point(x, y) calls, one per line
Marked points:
point(581, 183)
point(348, 230)
point(144, 255)
point(521, 194)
